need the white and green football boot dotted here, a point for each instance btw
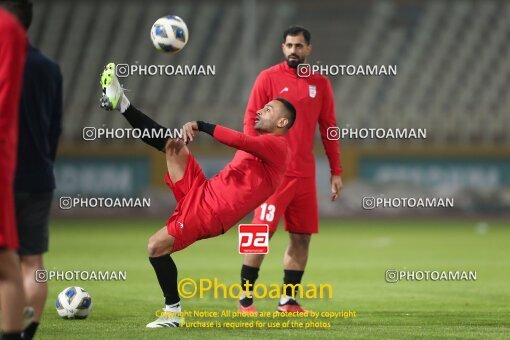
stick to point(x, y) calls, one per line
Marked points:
point(166, 320)
point(113, 93)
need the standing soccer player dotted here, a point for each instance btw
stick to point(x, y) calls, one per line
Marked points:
point(13, 45)
point(296, 198)
point(40, 114)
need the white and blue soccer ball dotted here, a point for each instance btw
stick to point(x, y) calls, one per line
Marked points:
point(169, 34)
point(74, 303)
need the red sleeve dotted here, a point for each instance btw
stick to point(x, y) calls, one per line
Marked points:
point(327, 119)
point(262, 147)
point(258, 98)
point(13, 45)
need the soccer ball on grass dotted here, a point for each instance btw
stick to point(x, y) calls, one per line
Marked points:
point(74, 303)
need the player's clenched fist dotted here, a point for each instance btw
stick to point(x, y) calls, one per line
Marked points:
point(188, 131)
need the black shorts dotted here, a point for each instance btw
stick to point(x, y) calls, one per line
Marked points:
point(32, 215)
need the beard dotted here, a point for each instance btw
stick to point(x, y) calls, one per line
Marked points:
point(260, 126)
point(295, 62)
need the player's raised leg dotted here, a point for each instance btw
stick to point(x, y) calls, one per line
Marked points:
point(177, 154)
point(114, 99)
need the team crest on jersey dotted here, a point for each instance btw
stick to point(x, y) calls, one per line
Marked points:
point(312, 91)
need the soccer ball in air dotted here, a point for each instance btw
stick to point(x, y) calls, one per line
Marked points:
point(74, 303)
point(169, 34)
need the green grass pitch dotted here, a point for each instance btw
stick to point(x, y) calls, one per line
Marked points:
point(352, 255)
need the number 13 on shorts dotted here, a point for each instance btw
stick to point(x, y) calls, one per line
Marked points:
point(267, 212)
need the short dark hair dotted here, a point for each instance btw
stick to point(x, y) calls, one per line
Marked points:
point(290, 111)
point(22, 9)
point(297, 30)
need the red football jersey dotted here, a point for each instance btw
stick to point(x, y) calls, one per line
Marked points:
point(313, 99)
point(250, 178)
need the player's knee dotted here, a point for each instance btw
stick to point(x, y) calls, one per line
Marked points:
point(9, 270)
point(34, 262)
point(152, 247)
point(155, 247)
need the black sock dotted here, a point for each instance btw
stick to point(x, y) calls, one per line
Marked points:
point(166, 272)
point(141, 121)
point(11, 336)
point(29, 332)
point(248, 275)
point(292, 277)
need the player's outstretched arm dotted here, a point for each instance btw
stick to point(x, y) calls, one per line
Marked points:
point(259, 146)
